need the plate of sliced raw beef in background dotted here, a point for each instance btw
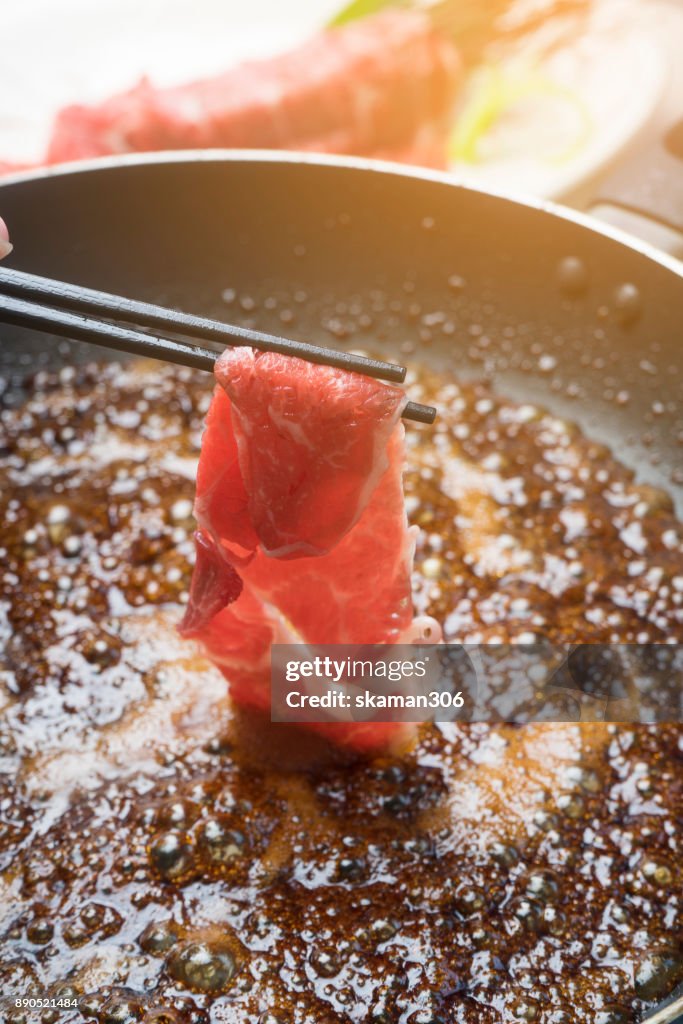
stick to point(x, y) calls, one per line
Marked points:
point(525, 102)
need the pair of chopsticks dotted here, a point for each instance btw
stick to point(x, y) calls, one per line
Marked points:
point(70, 311)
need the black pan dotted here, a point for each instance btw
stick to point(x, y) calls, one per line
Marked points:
point(546, 304)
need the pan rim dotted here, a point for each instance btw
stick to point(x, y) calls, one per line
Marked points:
point(366, 164)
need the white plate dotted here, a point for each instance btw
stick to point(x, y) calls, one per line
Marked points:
point(60, 51)
point(614, 73)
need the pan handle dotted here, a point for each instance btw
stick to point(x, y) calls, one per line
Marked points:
point(645, 195)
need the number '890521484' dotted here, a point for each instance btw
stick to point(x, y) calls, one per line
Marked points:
point(44, 1004)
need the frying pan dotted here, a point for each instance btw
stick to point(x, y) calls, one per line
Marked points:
point(546, 305)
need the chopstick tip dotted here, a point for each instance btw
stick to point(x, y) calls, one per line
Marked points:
point(419, 413)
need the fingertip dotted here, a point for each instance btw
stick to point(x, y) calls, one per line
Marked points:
point(4, 233)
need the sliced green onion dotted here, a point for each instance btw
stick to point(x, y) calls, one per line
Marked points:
point(495, 93)
point(360, 9)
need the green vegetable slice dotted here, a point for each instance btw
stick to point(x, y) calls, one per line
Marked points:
point(496, 93)
point(360, 9)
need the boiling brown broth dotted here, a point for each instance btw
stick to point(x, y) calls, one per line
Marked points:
point(160, 850)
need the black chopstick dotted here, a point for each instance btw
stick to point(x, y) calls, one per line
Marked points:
point(77, 299)
point(99, 332)
point(67, 324)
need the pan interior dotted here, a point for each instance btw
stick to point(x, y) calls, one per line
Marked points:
point(414, 270)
